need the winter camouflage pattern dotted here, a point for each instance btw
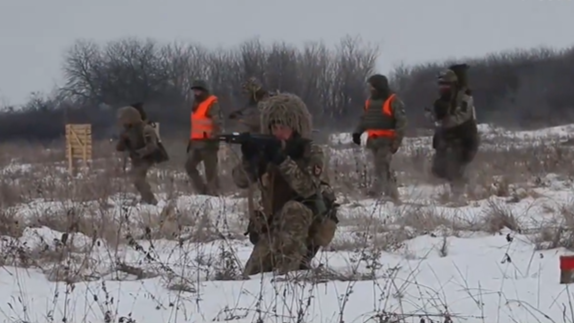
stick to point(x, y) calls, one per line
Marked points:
point(249, 115)
point(199, 151)
point(461, 111)
point(456, 138)
point(383, 148)
point(140, 140)
point(290, 194)
point(384, 179)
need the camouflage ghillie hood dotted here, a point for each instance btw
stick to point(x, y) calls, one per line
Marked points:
point(139, 106)
point(129, 116)
point(286, 109)
point(251, 86)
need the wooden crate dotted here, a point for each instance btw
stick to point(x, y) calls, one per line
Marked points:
point(78, 144)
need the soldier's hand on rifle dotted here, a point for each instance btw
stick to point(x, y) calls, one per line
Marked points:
point(249, 149)
point(295, 148)
point(274, 152)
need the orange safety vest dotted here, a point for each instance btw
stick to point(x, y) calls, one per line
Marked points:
point(201, 124)
point(389, 133)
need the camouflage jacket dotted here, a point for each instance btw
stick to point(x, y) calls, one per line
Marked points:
point(295, 179)
point(140, 141)
point(458, 110)
point(372, 118)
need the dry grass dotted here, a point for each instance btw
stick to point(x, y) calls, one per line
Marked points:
point(96, 234)
point(85, 204)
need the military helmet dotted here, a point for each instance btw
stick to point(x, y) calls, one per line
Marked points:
point(286, 109)
point(251, 85)
point(447, 77)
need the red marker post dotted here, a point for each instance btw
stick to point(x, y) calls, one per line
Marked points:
point(566, 269)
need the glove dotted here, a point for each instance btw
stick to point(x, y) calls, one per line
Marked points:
point(357, 139)
point(294, 148)
point(249, 150)
point(274, 152)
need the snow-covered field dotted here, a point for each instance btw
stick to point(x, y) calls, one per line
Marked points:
point(73, 252)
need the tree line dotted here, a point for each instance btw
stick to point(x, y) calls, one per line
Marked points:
point(520, 88)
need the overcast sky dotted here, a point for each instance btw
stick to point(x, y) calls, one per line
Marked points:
point(35, 33)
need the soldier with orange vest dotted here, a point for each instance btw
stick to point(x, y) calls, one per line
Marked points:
point(206, 122)
point(384, 120)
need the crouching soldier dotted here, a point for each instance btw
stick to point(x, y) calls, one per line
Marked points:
point(289, 176)
point(456, 138)
point(140, 140)
point(384, 119)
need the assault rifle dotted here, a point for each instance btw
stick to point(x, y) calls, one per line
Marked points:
point(260, 140)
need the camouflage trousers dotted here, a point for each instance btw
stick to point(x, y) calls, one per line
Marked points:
point(384, 181)
point(450, 161)
point(138, 174)
point(284, 245)
point(210, 162)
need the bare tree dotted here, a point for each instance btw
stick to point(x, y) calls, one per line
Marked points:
point(523, 88)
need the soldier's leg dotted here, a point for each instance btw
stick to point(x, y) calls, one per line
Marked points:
point(211, 162)
point(440, 163)
point(377, 183)
point(457, 164)
point(312, 251)
point(290, 230)
point(194, 158)
point(321, 234)
point(139, 177)
point(383, 174)
point(261, 258)
point(391, 188)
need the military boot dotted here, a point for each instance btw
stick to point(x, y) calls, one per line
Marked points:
point(306, 261)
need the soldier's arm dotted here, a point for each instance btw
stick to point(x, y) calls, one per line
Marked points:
point(400, 115)
point(150, 140)
point(441, 108)
point(305, 181)
point(214, 113)
point(122, 144)
point(464, 104)
point(241, 175)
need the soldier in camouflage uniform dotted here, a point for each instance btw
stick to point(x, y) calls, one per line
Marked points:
point(292, 198)
point(384, 120)
point(456, 138)
point(249, 115)
point(140, 140)
point(200, 149)
point(140, 107)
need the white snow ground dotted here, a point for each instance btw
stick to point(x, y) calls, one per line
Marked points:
point(382, 267)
